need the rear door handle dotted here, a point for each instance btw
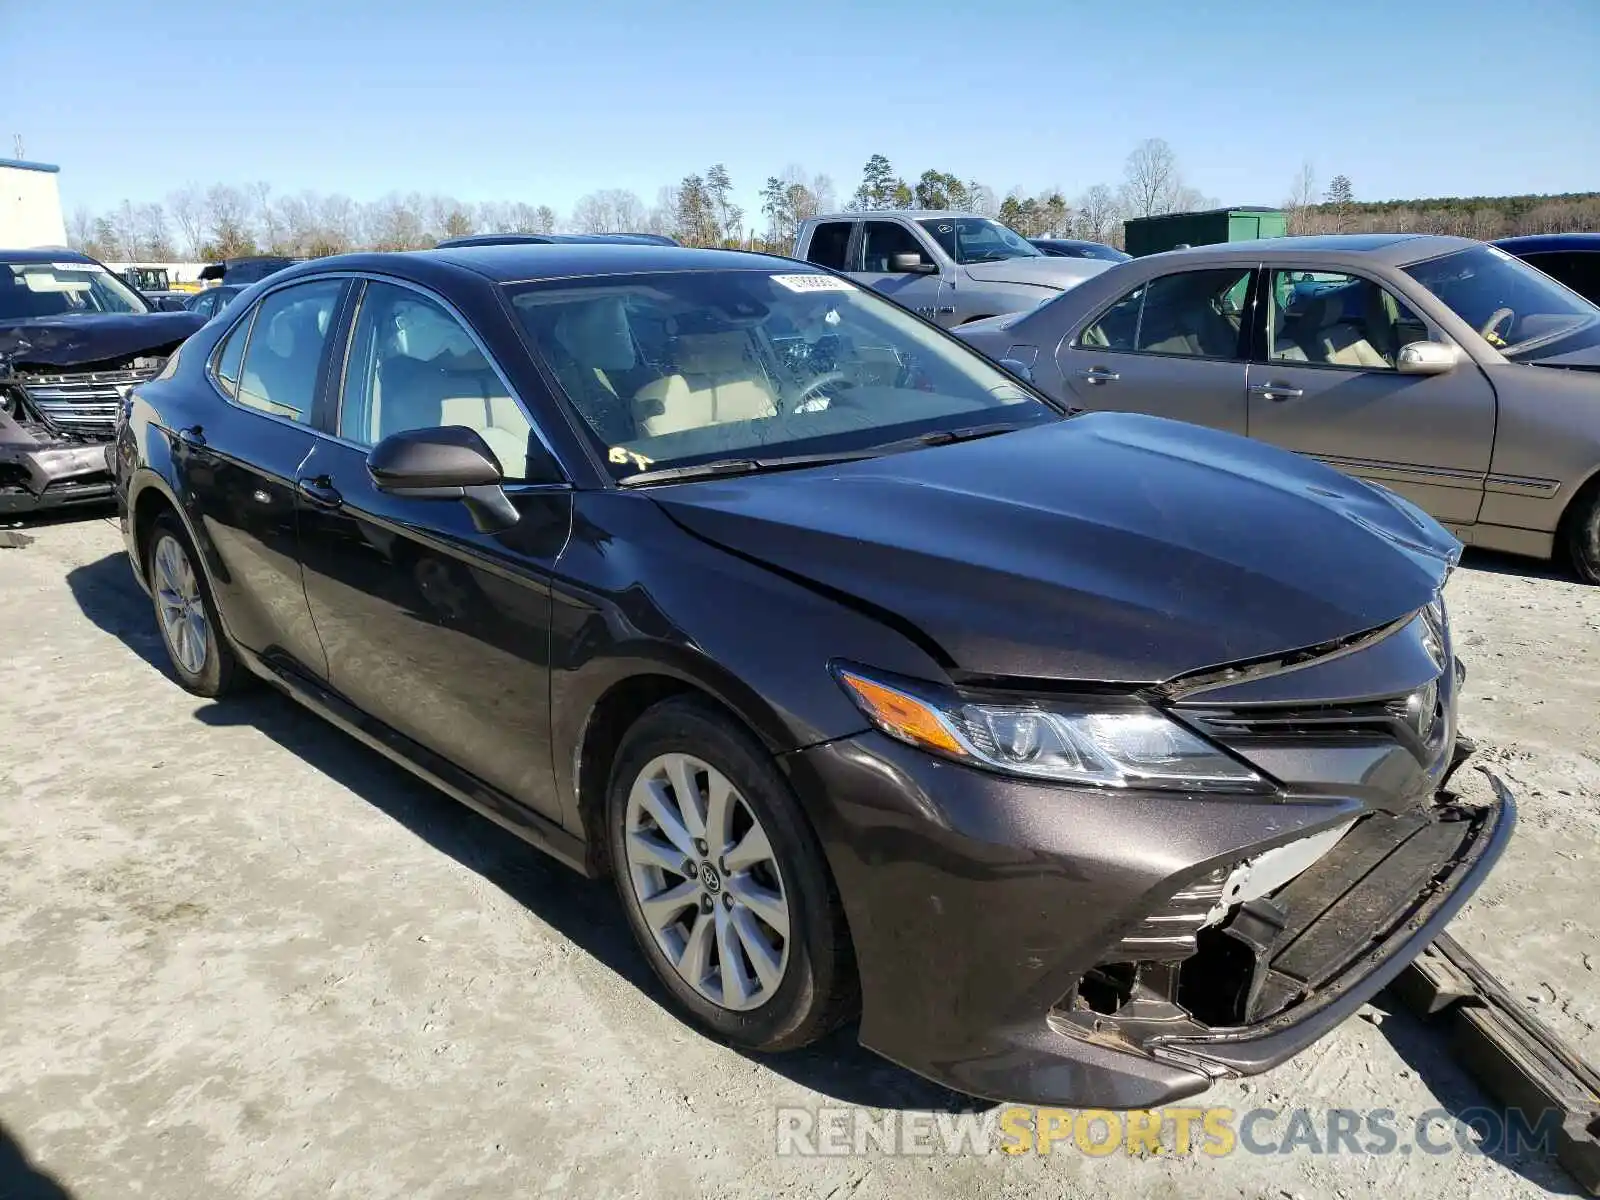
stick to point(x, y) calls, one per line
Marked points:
point(1276, 391)
point(1099, 375)
point(319, 491)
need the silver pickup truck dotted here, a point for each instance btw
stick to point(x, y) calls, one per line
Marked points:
point(950, 267)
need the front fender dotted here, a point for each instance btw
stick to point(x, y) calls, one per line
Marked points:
point(637, 595)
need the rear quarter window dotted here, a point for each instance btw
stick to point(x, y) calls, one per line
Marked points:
point(225, 367)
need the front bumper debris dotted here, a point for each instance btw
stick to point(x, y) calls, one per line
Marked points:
point(1519, 1059)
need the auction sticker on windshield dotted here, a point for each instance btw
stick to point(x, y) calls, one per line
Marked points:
point(813, 283)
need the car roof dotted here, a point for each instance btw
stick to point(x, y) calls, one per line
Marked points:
point(915, 214)
point(539, 239)
point(516, 262)
point(44, 255)
point(1392, 249)
point(1535, 243)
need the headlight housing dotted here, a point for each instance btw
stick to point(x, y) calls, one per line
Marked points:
point(1114, 744)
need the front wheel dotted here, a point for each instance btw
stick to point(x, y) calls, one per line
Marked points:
point(201, 657)
point(724, 884)
point(1583, 536)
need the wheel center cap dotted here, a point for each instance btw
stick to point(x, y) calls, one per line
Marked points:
point(710, 879)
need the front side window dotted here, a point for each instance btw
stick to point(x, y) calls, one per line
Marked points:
point(288, 336)
point(830, 245)
point(1332, 319)
point(1197, 314)
point(677, 368)
point(1515, 308)
point(882, 240)
point(63, 289)
point(978, 239)
point(413, 365)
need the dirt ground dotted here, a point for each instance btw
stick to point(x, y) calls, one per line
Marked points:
point(241, 955)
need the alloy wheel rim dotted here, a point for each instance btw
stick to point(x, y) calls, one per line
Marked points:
point(183, 612)
point(707, 882)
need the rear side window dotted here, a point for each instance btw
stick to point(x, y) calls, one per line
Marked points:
point(1580, 272)
point(284, 358)
point(226, 371)
point(1194, 313)
point(830, 244)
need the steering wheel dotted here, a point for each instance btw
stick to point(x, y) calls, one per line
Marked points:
point(820, 382)
point(1500, 317)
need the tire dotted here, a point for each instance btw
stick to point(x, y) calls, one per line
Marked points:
point(202, 659)
point(815, 988)
point(1582, 529)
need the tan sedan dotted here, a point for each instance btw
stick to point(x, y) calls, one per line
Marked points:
point(1442, 368)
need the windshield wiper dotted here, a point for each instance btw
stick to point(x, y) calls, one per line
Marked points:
point(743, 466)
point(751, 466)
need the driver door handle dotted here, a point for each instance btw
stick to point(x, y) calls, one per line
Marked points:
point(192, 436)
point(1099, 375)
point(1276, 391)
point(319, 491)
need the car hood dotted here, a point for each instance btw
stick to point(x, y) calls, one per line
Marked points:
point(1061, 273)
point(1586, 358)
point(1109, 547)
point(76, 341)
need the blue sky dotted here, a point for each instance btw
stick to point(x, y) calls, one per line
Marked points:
point(495, 100)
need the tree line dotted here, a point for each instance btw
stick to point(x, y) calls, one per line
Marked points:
point(207, 223)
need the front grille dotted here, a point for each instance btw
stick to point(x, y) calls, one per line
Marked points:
point(87, 403)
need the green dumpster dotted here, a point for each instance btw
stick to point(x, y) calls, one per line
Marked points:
point(1152, 235)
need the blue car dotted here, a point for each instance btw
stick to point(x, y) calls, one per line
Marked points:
point(1571, 258)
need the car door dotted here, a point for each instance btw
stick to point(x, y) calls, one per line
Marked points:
point(239, 466)
point(1323, 381)
point(1173, 346)
point(433, 626)
point(924, 292)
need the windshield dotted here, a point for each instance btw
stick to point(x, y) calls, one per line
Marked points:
point(978, 239)
point(673, 369)
point(42, 289)
point(1513, 306)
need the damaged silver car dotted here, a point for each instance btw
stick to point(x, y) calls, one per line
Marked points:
point(73, 339)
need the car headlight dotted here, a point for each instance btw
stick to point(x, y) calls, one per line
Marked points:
point(1115, 745)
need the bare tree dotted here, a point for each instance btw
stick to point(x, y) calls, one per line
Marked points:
point(1097, 214)
point(1150, 179)
point(264, 216)
point(80, 229)
point(612, 210)
point(1302, 197)
point(187, 205)
point(227, 220)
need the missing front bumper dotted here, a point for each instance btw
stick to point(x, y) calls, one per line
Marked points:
point(1285, 969)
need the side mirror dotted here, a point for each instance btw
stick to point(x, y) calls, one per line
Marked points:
point(910, 264)
point(1018, 368)
point(449, 462)
point(1426, 358)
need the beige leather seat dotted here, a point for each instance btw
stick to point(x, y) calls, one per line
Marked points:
point(453, 390)
point(716, 382)
point(1326, 337)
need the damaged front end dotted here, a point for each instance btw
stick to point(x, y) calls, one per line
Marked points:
point(57, 423)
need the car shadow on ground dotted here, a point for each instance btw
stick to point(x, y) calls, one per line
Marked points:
point(1426, 1049)
point(1495, 563)
point(21, 1179)
point(838, 1067)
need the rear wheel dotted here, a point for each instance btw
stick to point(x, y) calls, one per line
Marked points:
point(201, 657)
point(1583, 535)
point(723, 882)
